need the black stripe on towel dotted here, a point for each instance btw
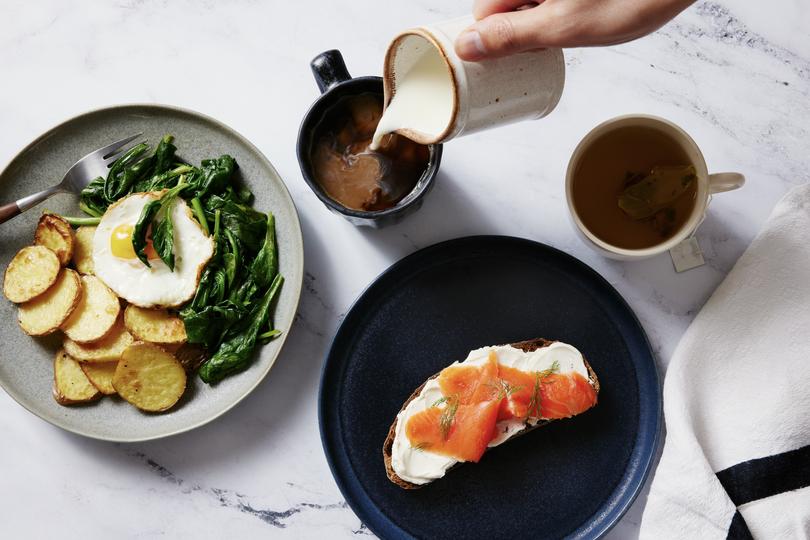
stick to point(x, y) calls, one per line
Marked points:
point(763, 477)
point(738, 529)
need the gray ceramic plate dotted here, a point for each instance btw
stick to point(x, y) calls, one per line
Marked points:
point(26, 371)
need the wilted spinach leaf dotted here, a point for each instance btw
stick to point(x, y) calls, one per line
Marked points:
point(245, 195)
point(206, 327)
point(213, 176)
point(164, 155)
point(163, 236)
point(245, 223)
point(127, 170)
point(92, 200)
point(230, 259)
point(164, 228)
point(265, 265)
point(165, 180)
point(234, 354)
point(139, 240)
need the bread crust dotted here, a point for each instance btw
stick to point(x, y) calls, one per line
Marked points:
point(526, 346)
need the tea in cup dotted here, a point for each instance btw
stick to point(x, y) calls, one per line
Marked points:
point(638, 186)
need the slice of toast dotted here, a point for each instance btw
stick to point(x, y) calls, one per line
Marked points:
point(526, 346)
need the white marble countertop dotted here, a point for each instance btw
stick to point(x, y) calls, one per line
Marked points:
point(736, 75)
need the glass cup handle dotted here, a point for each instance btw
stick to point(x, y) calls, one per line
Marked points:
point(727, 181)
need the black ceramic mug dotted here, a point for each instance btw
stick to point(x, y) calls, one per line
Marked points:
point(334, 82)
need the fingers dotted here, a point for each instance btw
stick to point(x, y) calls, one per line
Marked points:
point(502, 34)
point(485, 8)
point(505, 27)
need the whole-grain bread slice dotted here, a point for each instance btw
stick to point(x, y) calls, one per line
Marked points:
point(526, 346)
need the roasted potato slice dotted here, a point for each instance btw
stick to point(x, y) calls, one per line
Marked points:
point(105, 350)
point(55, 233)
point(83, 250)
point(70, 384)
point(48, 311)
point(30, 273)
point(149, 377)
point(96, 313)
point(100, 375)
point(154, 325)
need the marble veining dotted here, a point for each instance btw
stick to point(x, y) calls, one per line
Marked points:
point(735, 75)
point(727, 28)
point(238, 501)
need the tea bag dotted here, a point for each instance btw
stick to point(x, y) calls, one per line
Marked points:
point(658, 190)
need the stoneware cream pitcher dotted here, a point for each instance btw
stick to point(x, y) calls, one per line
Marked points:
point(480, 95)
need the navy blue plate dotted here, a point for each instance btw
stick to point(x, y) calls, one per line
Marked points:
point(574, 478)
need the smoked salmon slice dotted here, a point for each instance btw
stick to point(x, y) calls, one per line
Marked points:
point(463, 422)
point(544, 395)
point(459, 431)
point(518, 388)
point(566, 395)
point(471, 384)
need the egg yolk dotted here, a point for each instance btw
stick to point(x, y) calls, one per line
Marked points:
point(121, 243)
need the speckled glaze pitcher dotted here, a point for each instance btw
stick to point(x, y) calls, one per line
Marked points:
point(485, 94)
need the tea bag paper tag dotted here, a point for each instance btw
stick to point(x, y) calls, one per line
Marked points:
point(687, 255)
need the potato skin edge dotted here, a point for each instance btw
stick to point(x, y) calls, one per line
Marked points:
point(57, 393)
point(62, 228)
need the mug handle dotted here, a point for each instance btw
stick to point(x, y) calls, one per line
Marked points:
point(727, 181)
point(329, 70)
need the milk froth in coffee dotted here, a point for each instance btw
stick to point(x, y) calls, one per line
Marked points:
point(349, 171)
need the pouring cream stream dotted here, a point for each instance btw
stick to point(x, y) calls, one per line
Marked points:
point(423, 95)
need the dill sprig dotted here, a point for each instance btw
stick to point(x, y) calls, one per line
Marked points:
point(503, 388)
point(439, 401)
point(448, 415)
point(534, 404)
point(555, 368)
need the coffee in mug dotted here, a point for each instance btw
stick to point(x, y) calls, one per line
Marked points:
point(349, 171)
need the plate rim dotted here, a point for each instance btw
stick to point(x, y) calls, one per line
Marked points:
point(383, 526)
point(299, 257)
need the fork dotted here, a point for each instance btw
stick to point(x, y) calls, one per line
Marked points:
point(82, 172)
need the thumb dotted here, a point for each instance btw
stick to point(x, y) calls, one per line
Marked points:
point(503, 34)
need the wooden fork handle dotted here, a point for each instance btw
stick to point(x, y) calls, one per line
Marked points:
point(8, 211)
point(21, 205)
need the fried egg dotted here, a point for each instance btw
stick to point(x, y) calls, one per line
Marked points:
point(157, 286)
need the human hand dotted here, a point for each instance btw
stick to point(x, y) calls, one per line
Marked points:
point(505, 27)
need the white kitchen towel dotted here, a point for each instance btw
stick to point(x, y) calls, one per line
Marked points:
point(736, 459)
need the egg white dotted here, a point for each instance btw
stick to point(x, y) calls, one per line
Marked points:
point(157, 286)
